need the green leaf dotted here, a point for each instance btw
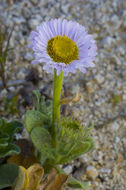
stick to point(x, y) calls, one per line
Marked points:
point(3, 144)
point(3, 137)
point(74, 150)
point(8, 150)
point(8, 175)
point(13, 127)
point(73, 141)
point(74, 183)
point(37, 101)
point(10, 128)
point(7, 131)
point(33, 119)
point(42, 141)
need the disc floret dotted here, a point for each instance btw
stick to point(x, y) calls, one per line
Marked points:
point(62, 49)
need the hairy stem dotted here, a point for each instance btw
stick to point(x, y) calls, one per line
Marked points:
point(2, 75)
point(58, 80)
point(4, 81)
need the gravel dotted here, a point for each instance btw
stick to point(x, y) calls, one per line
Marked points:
point(101, 87)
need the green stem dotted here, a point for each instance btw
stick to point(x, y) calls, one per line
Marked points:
point(58, 80)
point(2, 75)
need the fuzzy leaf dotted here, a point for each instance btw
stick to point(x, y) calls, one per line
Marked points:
point(7, 131)
point(10, 128)
point(82, 148)
point(37, 97)
point(42, 141)
point(46, 108)
point(73, 141)
point(8, 174)
point(33, 119)
point(3, 144)
point(9, 150)
point(76, 152)
point(3, 138)
point(74, 183)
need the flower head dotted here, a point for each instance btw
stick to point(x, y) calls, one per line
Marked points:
point(63, 45)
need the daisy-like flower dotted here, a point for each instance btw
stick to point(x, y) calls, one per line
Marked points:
point(63, 45)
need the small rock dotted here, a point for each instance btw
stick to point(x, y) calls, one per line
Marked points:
point(92, 172)
point(34, 1)
point(3, 93)
point(19, 20)
point(116, 60)
point(21, 74)
point(100, 79)
point(115, 126)
point(104, 170)
point(68, 169)
point(115, 22)
point(28, 56)
point(43, 3)
point(65, 8)
point(10, 2)
point(117, 139)
point(33, 22)
point(124, 97)
point(11, 88)
point(120, 159)
point(108, 41)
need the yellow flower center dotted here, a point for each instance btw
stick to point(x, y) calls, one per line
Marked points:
point(62, 49)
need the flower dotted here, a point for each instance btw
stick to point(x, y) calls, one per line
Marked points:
point(63, 45)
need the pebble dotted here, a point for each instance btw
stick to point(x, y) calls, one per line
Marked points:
point(115, 22)
point(12, 89)
point(32, 23)
point(91, 172)
point(100, 79)
point(3, 93)
point(104, 170)
point(28, 56)
point(19, 20)
point(65, 8)
point(21, 74)
point(124, 97)
point(34, 1)
point(116, 60)
point(117, 139)
point(115, 126)
point(68, 169)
